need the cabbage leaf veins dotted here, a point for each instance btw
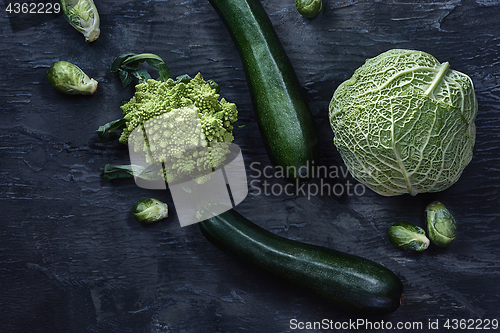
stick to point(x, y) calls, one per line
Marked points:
point(404, 123)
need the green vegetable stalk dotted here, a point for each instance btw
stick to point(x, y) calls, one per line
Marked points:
point(309, 8)
point(407, 236)
point(150, 210)
point(83, 16)
point(441, 225)
point(70, 79)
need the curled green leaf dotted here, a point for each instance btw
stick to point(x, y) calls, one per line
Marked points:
point(108, 132)
point(441, 225)
point(83, 16)
point(126, 67)
point(70, 79)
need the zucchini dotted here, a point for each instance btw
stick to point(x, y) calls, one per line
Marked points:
point(285, 121)
point(348, 281)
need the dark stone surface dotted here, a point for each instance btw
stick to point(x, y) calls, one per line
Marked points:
point(73, 259)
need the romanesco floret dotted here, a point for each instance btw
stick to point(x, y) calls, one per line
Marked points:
point(182, 126)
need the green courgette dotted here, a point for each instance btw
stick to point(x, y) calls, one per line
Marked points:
point(348, 281)
point(285, 121)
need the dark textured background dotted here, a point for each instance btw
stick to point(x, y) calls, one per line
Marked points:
point(73, 259)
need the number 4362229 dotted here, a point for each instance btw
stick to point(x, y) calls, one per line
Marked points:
point(33, 8)
point(471, 324)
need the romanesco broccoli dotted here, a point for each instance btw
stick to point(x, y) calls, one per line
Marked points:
point(180, 125)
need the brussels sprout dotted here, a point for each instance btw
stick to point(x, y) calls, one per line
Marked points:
point(83, 16)
point(309, 8)
point(150, 210)
point(441, 225)
point(407, 236)
point(70, 79)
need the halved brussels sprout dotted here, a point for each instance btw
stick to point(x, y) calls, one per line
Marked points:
point(407, 236)
point(70, 79)
point(441, 225)
point(150, 210)
point(83, 16)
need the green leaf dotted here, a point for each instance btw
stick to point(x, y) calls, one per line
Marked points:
point(185, 78)
point(108, 132)
point(126, 67)
point(112, 172)
point(142, 75)
point(214, 85)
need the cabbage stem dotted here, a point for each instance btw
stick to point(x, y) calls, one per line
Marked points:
point(439, 77)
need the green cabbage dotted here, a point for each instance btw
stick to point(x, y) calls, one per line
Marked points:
point(404, 123)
